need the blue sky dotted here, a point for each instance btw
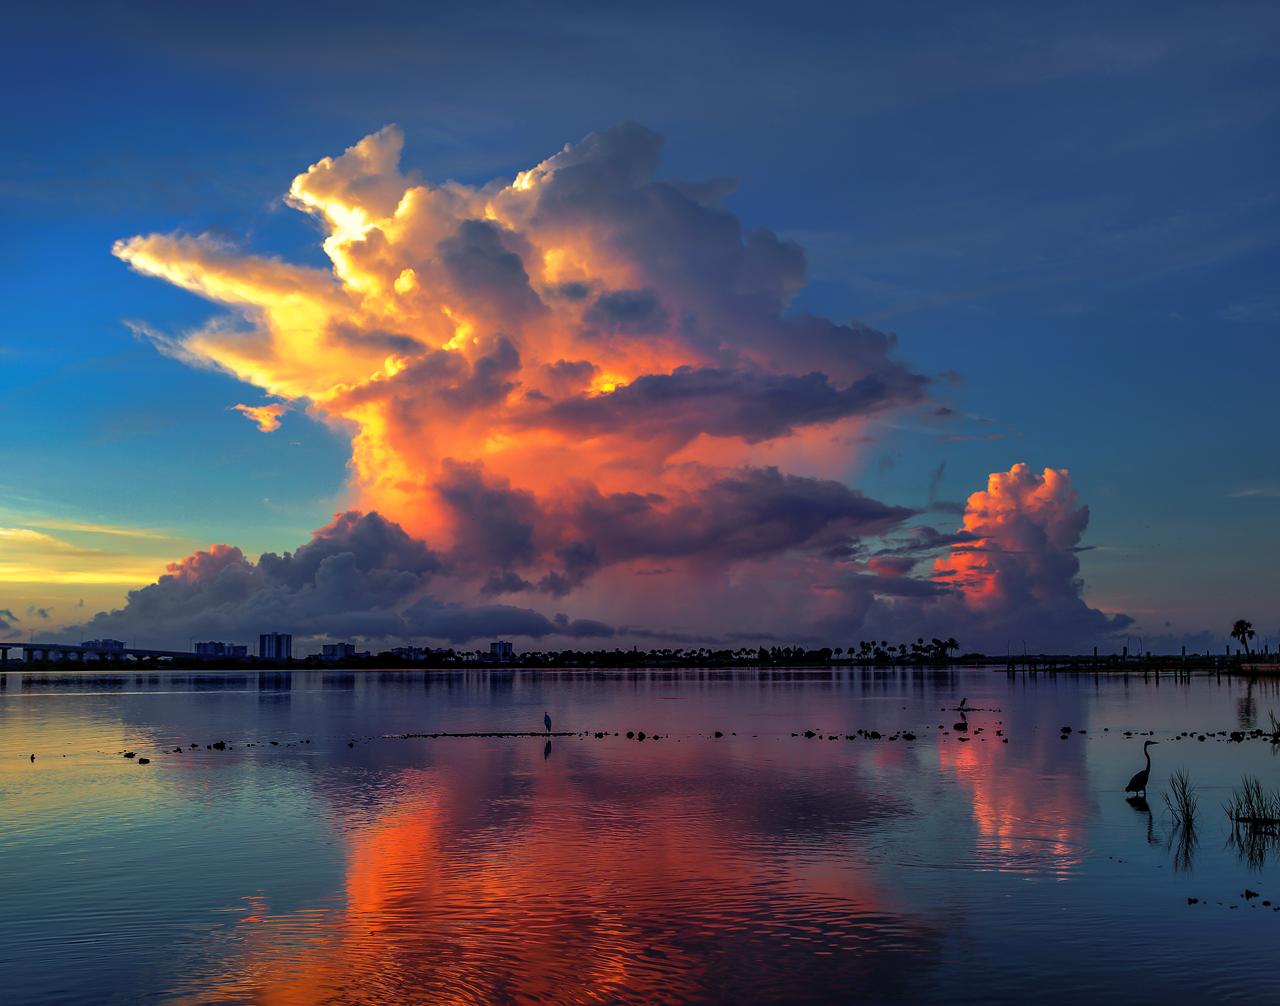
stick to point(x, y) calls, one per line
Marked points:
point(1074, 210)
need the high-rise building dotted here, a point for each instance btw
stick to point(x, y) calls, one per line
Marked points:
point(337, 651)
point(275, 646)
point(500, 651)
point(213, 650)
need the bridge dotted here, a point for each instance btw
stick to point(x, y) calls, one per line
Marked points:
point(34, 652)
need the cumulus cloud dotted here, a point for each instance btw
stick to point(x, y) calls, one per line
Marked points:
point(583, 322)
point(360, 576)
point(559, 381)
point(8, 620)
point(1010, 573)
point(584, 342)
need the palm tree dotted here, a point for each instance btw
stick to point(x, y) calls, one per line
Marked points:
point(1243, 631)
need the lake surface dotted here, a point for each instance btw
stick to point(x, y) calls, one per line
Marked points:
point(347, 863)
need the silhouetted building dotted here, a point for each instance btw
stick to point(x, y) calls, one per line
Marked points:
point(275, 646)
point(221, 651)
point(103, 644)
point(337, 651)
point(500, 651)
point(419, 652)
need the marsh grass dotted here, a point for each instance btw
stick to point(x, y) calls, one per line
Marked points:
point(1254, 847)
point(1253, 807)
point(1181, 800)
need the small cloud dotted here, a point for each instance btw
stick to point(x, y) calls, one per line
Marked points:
point(1256, 492)
point(935, 481)
point(267, 417)
point(172, 347)
point(1263, 311)
point(963, 438)
point(886, 565)
point(92, 527)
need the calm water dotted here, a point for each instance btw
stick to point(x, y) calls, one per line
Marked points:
point(759, 866)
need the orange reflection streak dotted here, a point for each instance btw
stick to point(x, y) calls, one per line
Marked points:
point(574, 899)
point(1034, 817)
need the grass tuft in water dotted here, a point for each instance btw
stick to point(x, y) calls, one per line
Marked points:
point(1181, 800)
point(1254, 807)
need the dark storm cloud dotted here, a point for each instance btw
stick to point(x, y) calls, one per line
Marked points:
point(360, 576)
point(442, 379)
point(347, 580)
point(750, 513)
point(632, 312)
point(731, 290)
point(564, 377)
point(494, 524)
point(922, 540)
point(505, 582)
point(482, 267)
point(460, 623)
point(755, 407)
point(891, 565)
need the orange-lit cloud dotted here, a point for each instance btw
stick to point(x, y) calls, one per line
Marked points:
point(554, 375)
point(1023, 530)
point(265, 417)
point(565, 381)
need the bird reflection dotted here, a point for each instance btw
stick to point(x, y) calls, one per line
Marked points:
point(546, 751)
point(1139, 804)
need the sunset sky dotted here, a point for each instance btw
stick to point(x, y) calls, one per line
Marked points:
point(749, 324)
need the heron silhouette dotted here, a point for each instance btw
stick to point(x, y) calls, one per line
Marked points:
point(546, 718)
point(1138, 784)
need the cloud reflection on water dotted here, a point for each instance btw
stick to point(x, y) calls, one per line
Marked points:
point(494, 876)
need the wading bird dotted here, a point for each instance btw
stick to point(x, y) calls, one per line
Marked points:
point(546, 718)
point(1138, 784)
